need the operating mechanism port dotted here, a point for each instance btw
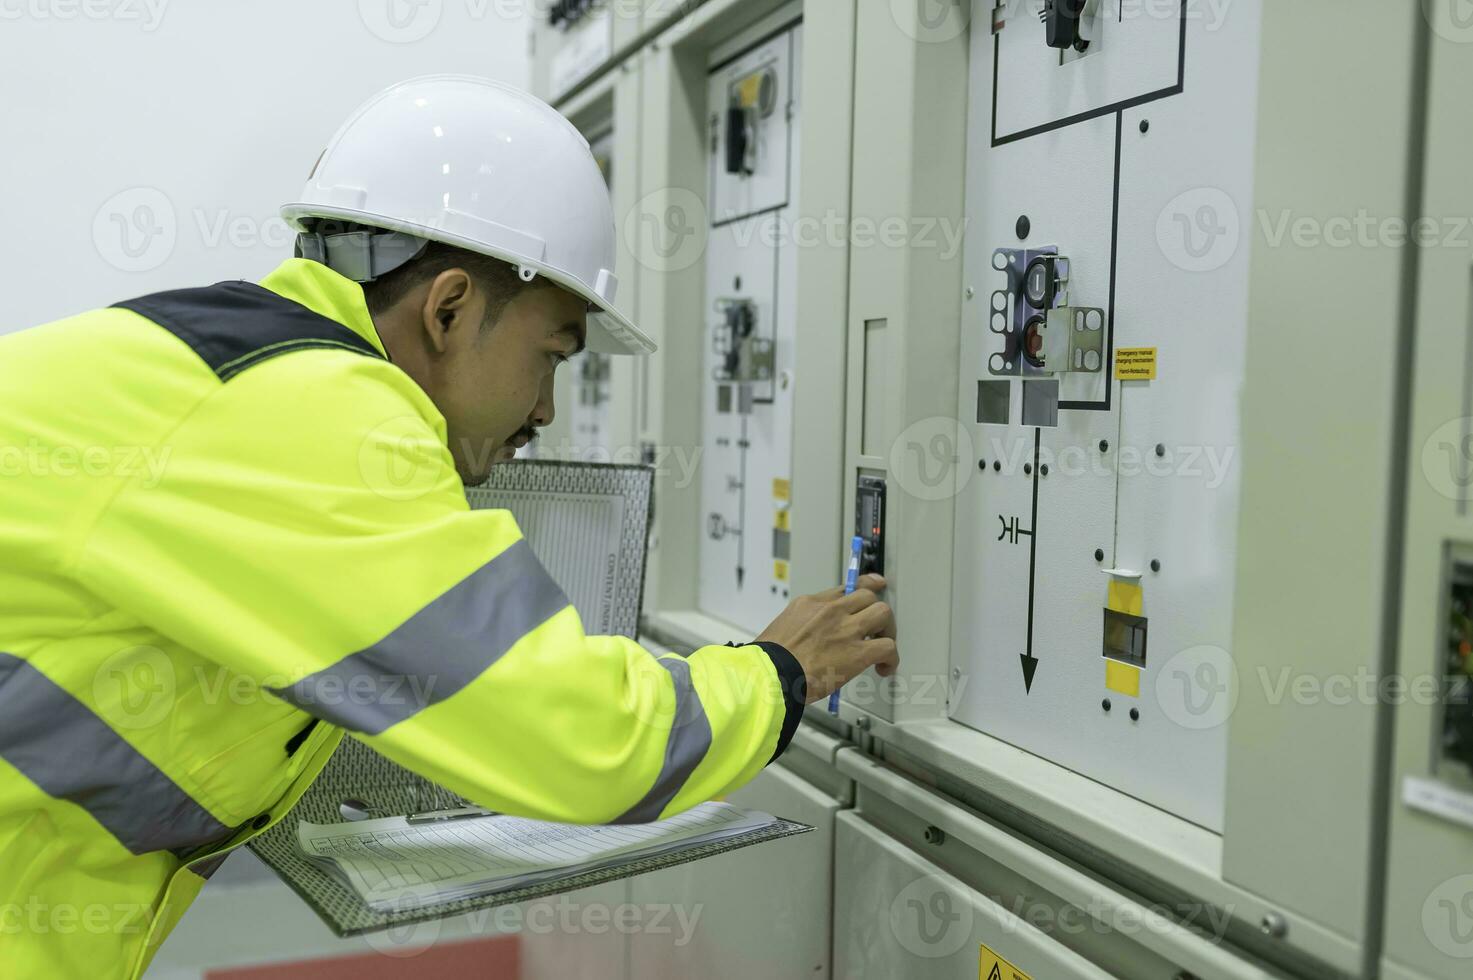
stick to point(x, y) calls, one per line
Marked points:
point(743, 356)
point(1042, 334)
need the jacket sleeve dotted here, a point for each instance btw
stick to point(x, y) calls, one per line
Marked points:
point(307, 529)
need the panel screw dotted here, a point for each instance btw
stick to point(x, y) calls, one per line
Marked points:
point(956, 673)
point(1043, 469)
point(1105, 704)
point(1274, 926)
point(935, 835)
point(862, 723)
point(1023, 227)
point(1027, 469)
point(1145, 125)
point(1160, 449)
point(1155, 564)
point(997, 466)
point(1104, 445)
point(1099, 554)
point(1135, 714)
point(970, 292)
point(982, 465)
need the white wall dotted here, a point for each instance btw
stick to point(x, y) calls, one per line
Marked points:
point(186, 123)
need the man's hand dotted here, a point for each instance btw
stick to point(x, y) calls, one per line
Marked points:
point(836, 636)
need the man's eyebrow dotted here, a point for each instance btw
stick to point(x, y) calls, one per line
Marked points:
point(575, 331)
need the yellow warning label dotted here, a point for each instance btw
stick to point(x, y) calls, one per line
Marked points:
point(1125, 597)
point(781, 489)
point(780, 570)
point(1135, 364)
point(748, 90)
point(780, 520)
point(1122, 678)
point(994, 967)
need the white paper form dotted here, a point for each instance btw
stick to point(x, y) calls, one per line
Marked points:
point(394, 864)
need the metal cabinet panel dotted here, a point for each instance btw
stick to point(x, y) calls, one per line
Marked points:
point(758, 912)
point(1429, 890)
point(897, 915)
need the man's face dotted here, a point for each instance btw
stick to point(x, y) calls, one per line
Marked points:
point(495, 382)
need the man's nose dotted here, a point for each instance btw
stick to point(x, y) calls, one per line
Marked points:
point(545, 411)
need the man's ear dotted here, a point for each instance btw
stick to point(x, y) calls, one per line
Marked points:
point(446, 307)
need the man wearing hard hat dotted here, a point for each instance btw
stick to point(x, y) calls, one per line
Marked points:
point(183, 645)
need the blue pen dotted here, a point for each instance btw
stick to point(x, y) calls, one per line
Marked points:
point(851, 579)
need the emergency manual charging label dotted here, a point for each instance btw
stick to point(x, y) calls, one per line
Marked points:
point(994, 967)
point(1135, 364)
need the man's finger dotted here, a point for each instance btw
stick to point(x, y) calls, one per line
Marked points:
point(876, 619)
point(883, 654)
point(857, 600)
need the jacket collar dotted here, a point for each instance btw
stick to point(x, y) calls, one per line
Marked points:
point(325, 293)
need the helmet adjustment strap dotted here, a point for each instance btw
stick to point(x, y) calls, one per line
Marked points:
point(362, 255)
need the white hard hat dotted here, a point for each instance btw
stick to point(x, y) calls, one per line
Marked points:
point(475, 164)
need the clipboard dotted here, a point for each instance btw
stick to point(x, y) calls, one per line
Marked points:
point(588, 524)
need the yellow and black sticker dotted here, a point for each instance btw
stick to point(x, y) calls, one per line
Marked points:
point(781, 489)
point(1127, 598)
point(994, 967)
point(1135, 364)
point(780, 570)
point(780, 520)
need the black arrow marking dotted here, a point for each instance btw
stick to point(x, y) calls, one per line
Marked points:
point(1030, 663)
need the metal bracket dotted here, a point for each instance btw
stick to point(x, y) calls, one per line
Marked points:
point(1074, 340)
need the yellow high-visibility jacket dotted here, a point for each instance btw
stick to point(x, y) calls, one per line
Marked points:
point(225, 517)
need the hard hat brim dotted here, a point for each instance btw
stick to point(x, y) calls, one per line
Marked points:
point(609, 331)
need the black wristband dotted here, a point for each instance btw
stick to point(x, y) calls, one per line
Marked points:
point(794, 683)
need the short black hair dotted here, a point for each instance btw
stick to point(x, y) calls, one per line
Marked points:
point(498, 278)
